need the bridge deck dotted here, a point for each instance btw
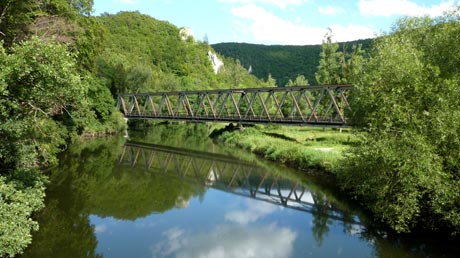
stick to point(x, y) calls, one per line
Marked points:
point(302, 105)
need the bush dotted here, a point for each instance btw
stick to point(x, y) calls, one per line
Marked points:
point(406, 167)
point(18, 200)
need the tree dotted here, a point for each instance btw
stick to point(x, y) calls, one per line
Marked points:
point(40, 90)
point(329, 64)
point(405, 103)
point(18, 200)
point(338, 67)
point(206, 39)
point(299, 81)
point(271, 82)
point(42, 87)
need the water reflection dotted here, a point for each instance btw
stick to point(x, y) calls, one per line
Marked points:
point(231, 175)
point(228, 241)
point(109, 198)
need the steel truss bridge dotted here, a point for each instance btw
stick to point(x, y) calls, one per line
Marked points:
point(302, 105)
point(226, 173)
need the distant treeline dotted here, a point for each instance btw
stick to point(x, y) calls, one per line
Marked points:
point(284, 63)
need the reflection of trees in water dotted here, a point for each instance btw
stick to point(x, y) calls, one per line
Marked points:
point(191, 136)
point(134, 194)
point(238, 177)
point(321, 221)
point(65, 229)
point(88, 181)
point(63, 233)
point(388, 245)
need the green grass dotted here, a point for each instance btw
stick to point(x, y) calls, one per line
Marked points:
point(299, 147)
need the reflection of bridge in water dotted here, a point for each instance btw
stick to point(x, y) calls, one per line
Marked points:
point(231, 175)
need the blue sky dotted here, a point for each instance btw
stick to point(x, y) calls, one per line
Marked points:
point(284, 22)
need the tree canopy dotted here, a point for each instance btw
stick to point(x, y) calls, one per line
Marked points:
point(283, 62)
point(405, 104)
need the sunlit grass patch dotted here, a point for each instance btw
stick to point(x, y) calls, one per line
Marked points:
point(300, 147)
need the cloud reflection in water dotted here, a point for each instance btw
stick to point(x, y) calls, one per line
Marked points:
point(228, 241)
point(253, 212)
point(238, 239)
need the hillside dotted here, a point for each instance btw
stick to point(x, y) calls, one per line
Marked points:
point(144, 54)
point(282, 62)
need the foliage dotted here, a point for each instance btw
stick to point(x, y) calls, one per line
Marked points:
point(406, 167)
point(144, 54)
point(40, 86)
point(338, 67)
point(234, 75)
point(60, 21)
point(283, 62)
point(43, 102)
point(299, 81)
point(46, 97)
point(20, 195)
point(271, 82)
point(329, 63)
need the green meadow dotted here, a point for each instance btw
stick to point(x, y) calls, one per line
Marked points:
point(299, 147)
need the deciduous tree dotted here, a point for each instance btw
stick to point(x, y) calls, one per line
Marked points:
point(405, 102)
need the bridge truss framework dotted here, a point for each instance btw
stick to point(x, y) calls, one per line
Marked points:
point(301, 105)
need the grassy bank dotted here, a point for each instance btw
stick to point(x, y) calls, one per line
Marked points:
point(299, 147)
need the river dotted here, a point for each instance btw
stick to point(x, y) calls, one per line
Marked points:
point(171, 192)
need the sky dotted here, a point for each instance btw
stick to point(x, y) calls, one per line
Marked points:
point(279, 22)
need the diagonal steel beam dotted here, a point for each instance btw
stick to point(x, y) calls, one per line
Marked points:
point(308, 105)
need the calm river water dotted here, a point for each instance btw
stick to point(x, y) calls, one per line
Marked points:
point(171, 192)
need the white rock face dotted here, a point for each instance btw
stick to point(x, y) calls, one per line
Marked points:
point(216, 62)
point(186, 33)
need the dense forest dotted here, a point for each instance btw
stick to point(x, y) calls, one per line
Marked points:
point(283, 63)
point(62, 68)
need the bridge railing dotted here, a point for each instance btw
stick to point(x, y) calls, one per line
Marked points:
point(314, 105)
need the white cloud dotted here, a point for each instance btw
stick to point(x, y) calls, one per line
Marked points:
point(254, 211)
point(401, 7)
point(330, 10)
point(100, 228)
point(279, 3)
point(175, 241)
point(229, 242)
point(265, 27)
point(351, 32)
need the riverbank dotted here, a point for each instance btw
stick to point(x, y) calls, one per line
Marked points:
point(318, 152)
point(303, 148)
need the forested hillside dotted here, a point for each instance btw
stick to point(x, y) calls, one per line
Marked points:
point(284, 63)
point(144, 54)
